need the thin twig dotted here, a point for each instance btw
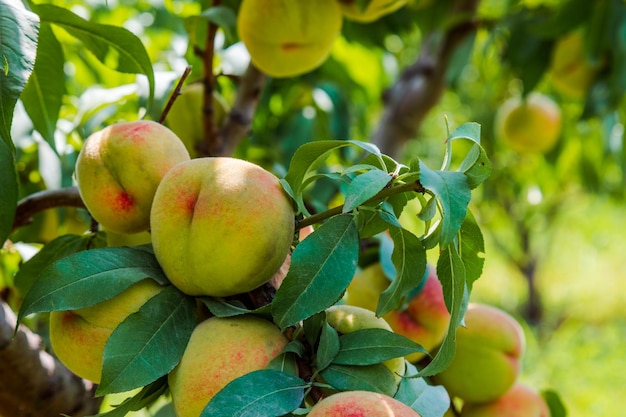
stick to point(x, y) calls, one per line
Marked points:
point(43, 200)
point(174, 95)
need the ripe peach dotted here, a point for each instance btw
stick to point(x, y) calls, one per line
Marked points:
point(219, 351)
point(520, 401)
point(488, 355)
point(374, 10)
point(220, 226)
point(530, 125)
point(361, 404)
point(78, 337)
point(118, 170)
point(424, 321)
point(286, 38)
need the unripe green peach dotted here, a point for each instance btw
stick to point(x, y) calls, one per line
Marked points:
point(520, 401)
point(220, 226)
point(286, 38)
point(425, 319)
point(185, 118)
point(529, 125)
point(119, 168)
point(361, 404)
point(488, 355)
point(347, 319)
point(219, 351)
point(374, 10)
point(78, 337)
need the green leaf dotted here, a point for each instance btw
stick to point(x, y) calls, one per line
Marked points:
point(264, 393)
point(104, 41)
point(372, 346)
point(472, 248)
point(409, 261)
point(89, 277)
point(364, 187)
point(43, 95)
point(328, 347)
point(18, 49)
point(142, 399)
point(555, 404)
point(374, 378)
point(8, 190)
point(223, 17)
point(322, 266)
point(451, 273)
point(56, 249)
point(149, 343)
point(453, 195)
point(312, 153)
point(427, 400)
point(222, 308)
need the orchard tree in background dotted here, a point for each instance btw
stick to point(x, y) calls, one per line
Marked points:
point(237, 207)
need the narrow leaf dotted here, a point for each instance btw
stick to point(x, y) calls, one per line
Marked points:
point(222, 308)
point(409, 260)
point(372, 346)
point(453, 194)
point(328, 347)
point(364, 187)
point(476, 166)
point(8, 189)
point(56, 249)
point(322, 266)
point(44, 92)
point(555, 403)
point(18, 49)
point(149, 343)
point(264, 393)
point(142, 399)
point(472, 248)
point(374, 378)
point(102, 41)
point(89, 277)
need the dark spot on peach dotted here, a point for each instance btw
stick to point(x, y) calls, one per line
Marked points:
point(123, 202)
point(289, 46)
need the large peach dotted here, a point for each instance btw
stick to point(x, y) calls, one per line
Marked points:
point(286, 38)
point(219, 351)
point(488, 355)
point(374, 10)
point(221, 226)
point(119, 168)
point(425, 319)
point(361, 404)
point(78, 337)
point(520, 401)
point(529, 125)
point(347, 319)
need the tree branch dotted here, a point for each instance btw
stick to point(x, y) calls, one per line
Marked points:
point(421, 85)
point(32, 382)
point(43, 200)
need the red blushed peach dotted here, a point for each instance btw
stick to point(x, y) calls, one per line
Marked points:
point(221, 226)
point(119, 168)
point(424, 321)
point(488, 355)
point(219, 351)
point(520, 401)
point(361, 404)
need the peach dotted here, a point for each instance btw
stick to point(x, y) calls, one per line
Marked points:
point(529, 125)
point(219, 351)
point(361, 404)
point(488, 355)
point(348, 319)
point(286, 38)
point(221, 226)
point(374, 10)
point(424, 321)
point(78, 336)
point(520, 401)
point(119, 168)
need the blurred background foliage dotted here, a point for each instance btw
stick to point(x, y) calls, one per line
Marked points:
point(553, 223)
